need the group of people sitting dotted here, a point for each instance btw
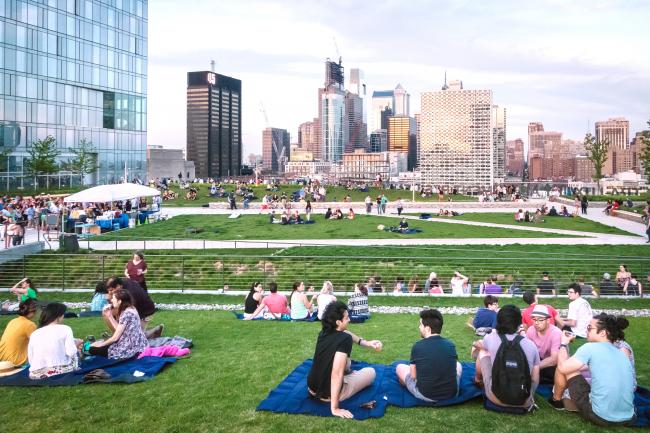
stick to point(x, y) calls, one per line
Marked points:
point(275, 306)
point(50, 348)
point(337, 214)
point(521, 351)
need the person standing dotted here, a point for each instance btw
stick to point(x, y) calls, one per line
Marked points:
point(434, 372)
point(136, 268)
point(584, 204)
point(400, 206)
point(368, 202)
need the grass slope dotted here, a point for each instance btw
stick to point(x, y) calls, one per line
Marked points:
point(577, 224)
point(252, 227)
point(235, 364)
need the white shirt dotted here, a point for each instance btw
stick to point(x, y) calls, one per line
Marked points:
point(580, 311)
point(457, 287)
point(323, 300)
point(51, 346)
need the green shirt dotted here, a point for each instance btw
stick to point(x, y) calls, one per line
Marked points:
point(31, 293)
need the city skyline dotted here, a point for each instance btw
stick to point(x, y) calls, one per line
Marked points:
point(564, 65)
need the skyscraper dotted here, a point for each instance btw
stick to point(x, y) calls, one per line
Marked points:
point(214, 124)
point(515, 157)
point(543, 148)
point(275, 149)
point(402, 101)
point(616, 131)
point(357, 133)
point(499, 141)
point(456, 138)
point(381, 99)
point(73, 70)
point(334, 128)
point(402, 138)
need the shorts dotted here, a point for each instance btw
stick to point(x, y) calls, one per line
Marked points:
point(579, 389)
point(412, 386)
point(486, 372)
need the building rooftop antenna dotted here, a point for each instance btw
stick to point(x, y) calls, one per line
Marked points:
point(445, 86)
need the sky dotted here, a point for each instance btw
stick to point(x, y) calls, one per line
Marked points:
point(566, 64)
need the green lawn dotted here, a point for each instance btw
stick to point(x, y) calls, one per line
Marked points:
point(334, 193)
point(234, 364)
point(577, 224)
point(255, 227)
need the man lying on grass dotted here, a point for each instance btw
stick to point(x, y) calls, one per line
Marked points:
point(330, 378)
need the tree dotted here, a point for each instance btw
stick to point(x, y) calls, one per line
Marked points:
point(645, 153)
point(42, 158)
point(85, 159)
point(596, 153)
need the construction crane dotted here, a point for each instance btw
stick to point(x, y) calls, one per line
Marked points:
point(279, 152)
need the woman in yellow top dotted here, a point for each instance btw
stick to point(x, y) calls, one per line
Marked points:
point(13, 345)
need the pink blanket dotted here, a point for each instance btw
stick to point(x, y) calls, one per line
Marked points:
point(164, 351)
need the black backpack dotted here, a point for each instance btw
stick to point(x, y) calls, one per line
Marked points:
point(510, 373)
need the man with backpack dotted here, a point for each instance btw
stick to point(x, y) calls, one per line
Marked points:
point(507, 365)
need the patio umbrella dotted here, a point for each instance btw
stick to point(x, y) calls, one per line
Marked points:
point(111, 193)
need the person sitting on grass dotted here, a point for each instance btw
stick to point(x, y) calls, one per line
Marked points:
point(300, 305)
point(324, 298)
point(351, 214)
point(253, 300)
point(546, 285)
point(526, 315)
point(546, 337)
point(15, 338)
point(489, 373)
point(128, 340)
point(52, 349)
point(141, 301)
point(607, 286)
point(633, 287)
point(23, 289)
point(275, 304)
point(433, 373)
point(358, 303)
point(99, 300)
point(403, 225)
point(486, 318)
point(609, 399)
point(579, 313)
point(623, 345)
point(328, 213)
point(330, 378)
point(432, 285)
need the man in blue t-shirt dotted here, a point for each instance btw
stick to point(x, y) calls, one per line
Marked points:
point(609, 400)
point(486, 318)
point(434, 371)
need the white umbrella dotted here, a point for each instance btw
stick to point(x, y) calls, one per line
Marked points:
point(110, 193)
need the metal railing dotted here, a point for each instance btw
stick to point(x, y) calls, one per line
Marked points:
point(210, 272)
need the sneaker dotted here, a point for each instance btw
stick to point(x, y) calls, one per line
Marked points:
point(557, 404)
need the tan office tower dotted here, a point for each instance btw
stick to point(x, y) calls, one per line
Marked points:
point(616, 130)
point(456, 138)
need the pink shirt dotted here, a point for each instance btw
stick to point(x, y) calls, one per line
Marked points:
point(547, 343)
point(276, 303)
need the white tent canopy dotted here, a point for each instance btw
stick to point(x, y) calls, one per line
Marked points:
point(110, 193)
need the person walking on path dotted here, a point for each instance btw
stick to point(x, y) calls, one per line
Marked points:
point(584, 204)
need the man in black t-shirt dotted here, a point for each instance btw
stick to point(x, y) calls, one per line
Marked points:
point(330, 378)
point(546, 285)
point(434, 371)
point(141, 301)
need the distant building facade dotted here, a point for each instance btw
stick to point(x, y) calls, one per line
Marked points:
point(275, 150)
point(515, 157)
point(214, 140)
point(168, 163)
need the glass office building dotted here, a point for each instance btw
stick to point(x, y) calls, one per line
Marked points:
point(73, 70)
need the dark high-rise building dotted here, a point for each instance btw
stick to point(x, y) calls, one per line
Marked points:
point(275, 149)
point(214, 124)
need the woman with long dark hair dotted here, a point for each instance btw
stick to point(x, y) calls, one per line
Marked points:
point(15, 338)
point(253, 300)
point(128, 340)
point(52, 349)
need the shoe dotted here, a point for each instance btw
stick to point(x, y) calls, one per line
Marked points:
point(155, 332)
point(556, 404)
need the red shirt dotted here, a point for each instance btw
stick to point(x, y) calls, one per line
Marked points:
point(528, 320)
point(276, 303)
point(132, 270)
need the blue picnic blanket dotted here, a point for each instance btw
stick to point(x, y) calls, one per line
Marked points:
point(126, 371)
point(285, 318)
point(401, 397)
point(641, 403)
point(291, 395)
